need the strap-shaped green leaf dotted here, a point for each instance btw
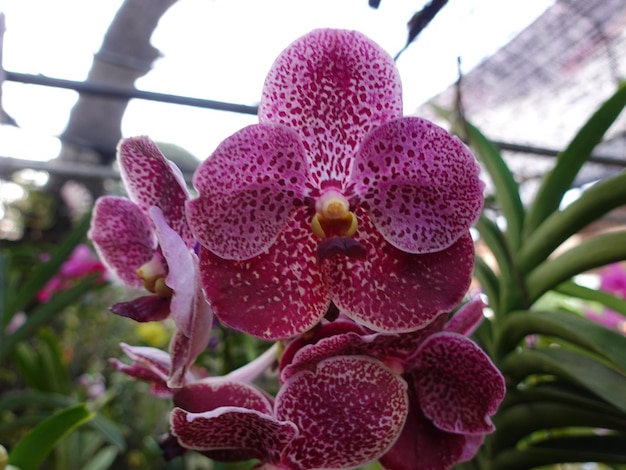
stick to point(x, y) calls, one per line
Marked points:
point(589, 254)
point(572, 449)
point(44, 312)
point(519, 422)
point(570, 366)
point(608, 300)
point(567, 326)
point(18, 301)
point(569, 162)
point(506, 188)
point(31, 451)
point(488, 281)
point(560, 225)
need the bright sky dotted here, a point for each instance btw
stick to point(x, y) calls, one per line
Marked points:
point(221, 50)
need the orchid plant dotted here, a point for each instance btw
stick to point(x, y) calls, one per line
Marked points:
point(339, 230)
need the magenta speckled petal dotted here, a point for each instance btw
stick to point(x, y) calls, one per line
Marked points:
point(458, 386)
point(229, 416)
point(152, 180)
point(468, 318)
point(422, 446)
point(420, 184)
point(123, 237)
point(394, 292)
point(349, 412)
point(275, 295)
point(143, 309)
point(248, 189)
point(332, 87)
point(149, 365)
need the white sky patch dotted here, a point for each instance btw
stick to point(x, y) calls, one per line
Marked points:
point(222, 50)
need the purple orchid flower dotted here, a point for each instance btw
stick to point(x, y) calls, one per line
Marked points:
point(453, 387)
point(346, 412)
point(145, 241)
point(335, 196)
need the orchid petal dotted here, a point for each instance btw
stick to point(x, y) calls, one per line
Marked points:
point(143, 309)
point(275, 295)
point(420, 184)
point(152, 180)
point(458, 386)
point(468, 318)
point(422, 446)
point(411, 290)
point(149, 365)
point(332, 87)
point(123, 237)
point(229, 416)
point(248, 189)
point(349, 412)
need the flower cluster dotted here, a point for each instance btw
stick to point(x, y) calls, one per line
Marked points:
point(339, 229)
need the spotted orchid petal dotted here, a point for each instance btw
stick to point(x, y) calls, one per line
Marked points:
point(149, 365)
point(229, 416)
point(349, 412)
point(332, 87)
point(143, 309)
point(411, 289)
point(468, 318)
point(420, 184)
point(272, 296)
point(152, 180)
point(123, 237)
point(458, 386)
point(248, 189)
point(422, 446)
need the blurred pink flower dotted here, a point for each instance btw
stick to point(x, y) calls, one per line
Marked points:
point(81, 263)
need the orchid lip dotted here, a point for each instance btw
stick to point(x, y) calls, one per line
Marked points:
point(333, 216)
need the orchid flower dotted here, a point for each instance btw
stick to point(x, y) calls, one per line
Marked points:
point(81, 263)
point(334, 196)
point(146, 241)
point(453, 387)
point(347, 412)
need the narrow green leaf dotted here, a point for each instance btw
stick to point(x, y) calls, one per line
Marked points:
point(569, 366)
point(47, 270)
point(608, 300)
point(570, 327)
point(574, 449)
point(589, 254)
point(506, 188)
point(51, 359)
point(569, 162)
point(23, 398)
point(102, 460)
point(45, 312)
point(109, 430)
point(31, 451)
point(519, 422)
point(594, 203)
point(488, 282)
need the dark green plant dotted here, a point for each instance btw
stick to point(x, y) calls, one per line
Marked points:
point(566, 389)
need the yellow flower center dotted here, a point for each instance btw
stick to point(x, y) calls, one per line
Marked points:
point(333, 216)
point(153, 275)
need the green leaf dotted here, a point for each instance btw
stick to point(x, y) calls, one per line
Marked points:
point(46, 271)
point(569, 366)
point(31, 451)
point(45, 312)
point(595, 202)
point(109, 430)
point(24, 398)
point(506, 188)
point(102, 460)
point(589, 254)
point(608, 300)
point(607, 449)
point(521, 421)
point(488, 282)
point(52, 365)
point(569, 162)
point(570, 327)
